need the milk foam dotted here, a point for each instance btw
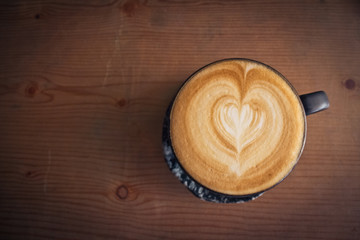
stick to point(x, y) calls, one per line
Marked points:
point(237, 127)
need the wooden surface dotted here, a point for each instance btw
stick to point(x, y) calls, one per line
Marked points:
point(83, 89)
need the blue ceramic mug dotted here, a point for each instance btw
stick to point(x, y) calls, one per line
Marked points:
point(312, 103)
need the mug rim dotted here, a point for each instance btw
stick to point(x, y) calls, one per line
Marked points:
point(237, 198)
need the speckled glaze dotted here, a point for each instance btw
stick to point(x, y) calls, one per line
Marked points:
point(196, 188)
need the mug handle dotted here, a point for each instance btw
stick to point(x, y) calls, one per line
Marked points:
point(314, 102)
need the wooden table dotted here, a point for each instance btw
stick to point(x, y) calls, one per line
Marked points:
point(84, 87)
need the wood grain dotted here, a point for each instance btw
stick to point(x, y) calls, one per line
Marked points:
point(83, 89)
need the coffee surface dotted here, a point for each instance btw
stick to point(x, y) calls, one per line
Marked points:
point(237, 127)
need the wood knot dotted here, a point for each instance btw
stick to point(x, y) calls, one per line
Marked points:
point(129, 7)
point(122, 192)
point(37, 16)
point(31, 174)
point(350, 84)
point(122, 102)
point(31, 89)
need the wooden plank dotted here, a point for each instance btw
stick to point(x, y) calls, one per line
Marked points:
point(83, 89)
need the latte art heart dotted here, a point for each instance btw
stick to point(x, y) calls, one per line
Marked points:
point(237, 127)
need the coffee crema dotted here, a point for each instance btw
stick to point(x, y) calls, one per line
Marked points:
point(237, 127)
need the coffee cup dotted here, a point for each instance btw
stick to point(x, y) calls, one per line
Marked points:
point(235, 129)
